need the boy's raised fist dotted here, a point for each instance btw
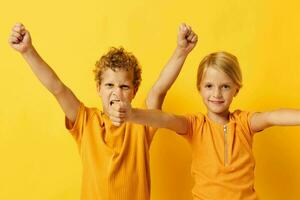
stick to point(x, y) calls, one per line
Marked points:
point(20, 38)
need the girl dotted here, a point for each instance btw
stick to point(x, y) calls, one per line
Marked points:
point(222, 160)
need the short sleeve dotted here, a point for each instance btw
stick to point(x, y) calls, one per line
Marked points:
point(245, 118)
point(77, 128)
point(194, 124)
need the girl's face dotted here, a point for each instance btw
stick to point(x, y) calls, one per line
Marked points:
point(217, 91)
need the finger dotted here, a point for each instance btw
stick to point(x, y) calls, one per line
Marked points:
point(17, 27)
point(190, 36)
point(116, 113)
point(123, 99)
point(189, 30)
point(182, 27)
point(116, 120)
point(119, 114)
point(20, 29)
point(13, 40)
point(17, 35)
point(182, 31)
point(117, 106)
point(195, 38)
point(24, 31)
point(116, 123)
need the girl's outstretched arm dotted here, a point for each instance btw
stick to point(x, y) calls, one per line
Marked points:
point(120, 112)
point(279, 117)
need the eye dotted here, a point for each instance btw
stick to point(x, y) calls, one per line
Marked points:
point(124, 87)
point(208, 85)
point(109, 85)
point(226, 87)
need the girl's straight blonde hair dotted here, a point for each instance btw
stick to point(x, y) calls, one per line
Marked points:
point(224, 62)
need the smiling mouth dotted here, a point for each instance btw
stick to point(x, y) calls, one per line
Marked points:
point(216, 102)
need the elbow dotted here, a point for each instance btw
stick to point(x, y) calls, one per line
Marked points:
point(58, 88)
point(155, 100)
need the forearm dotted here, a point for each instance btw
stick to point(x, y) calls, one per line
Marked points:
point(170, 71)
point(166, 79)
point(284, 117)
point(158, 119)
point(43, 71)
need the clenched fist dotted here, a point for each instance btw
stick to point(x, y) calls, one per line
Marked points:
point(187, 38)
point(20, 38)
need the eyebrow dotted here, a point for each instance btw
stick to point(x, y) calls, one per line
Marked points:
point(226, 83)
point(127, 85)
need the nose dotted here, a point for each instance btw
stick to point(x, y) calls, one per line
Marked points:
point(217, 93)
point(117, 92)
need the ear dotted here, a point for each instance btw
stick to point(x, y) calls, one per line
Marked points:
point(236, 92)
point(135, 91)
point(98, 88)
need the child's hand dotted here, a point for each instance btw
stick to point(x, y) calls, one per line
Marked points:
point(187, 39)
point(20, 38)
point(119, 112)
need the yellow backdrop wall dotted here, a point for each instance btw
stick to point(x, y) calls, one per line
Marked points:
point(39, 159)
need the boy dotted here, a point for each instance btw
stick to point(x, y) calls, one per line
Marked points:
point(115, 155)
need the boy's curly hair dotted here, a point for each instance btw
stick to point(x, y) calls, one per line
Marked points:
point(118, 59)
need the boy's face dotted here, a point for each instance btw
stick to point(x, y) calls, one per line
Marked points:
point(115, 86)
point(217, 91)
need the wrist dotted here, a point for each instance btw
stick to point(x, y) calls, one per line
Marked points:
point(181, 52)
point(28, 51)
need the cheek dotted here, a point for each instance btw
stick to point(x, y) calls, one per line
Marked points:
point(129, 94)
point(204, 94)
point(104, 94)
point(229, 96)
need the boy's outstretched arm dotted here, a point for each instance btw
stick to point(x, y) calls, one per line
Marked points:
point(20, 40)
point(186, 41)
point(280, 117)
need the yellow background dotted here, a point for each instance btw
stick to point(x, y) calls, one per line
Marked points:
point(39, 159)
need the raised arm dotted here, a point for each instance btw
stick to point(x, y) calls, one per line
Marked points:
point(20, 40)
point(186, 41)
point(280, 117)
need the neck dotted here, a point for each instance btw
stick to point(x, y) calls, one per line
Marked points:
point(221, 118)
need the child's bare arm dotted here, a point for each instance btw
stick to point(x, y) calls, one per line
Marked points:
point(159, 119)
point(20, 40)
point(122, 111)
point(186, 41)
point(280, 117)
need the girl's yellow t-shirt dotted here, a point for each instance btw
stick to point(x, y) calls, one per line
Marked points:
point(115, 160)
point(222, 161)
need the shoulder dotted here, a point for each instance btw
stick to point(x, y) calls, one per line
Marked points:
point(195, 119)
point(90, 113)
point(241, 115)
point(243, 119)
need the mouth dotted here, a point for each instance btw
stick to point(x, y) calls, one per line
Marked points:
point(218, 102)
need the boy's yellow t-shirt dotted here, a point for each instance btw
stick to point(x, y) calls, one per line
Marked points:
point(115, 160)
point(222, 161)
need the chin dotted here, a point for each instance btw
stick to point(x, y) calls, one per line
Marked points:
point(217, 110)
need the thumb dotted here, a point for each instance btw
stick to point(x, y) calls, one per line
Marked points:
point(122, 98)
